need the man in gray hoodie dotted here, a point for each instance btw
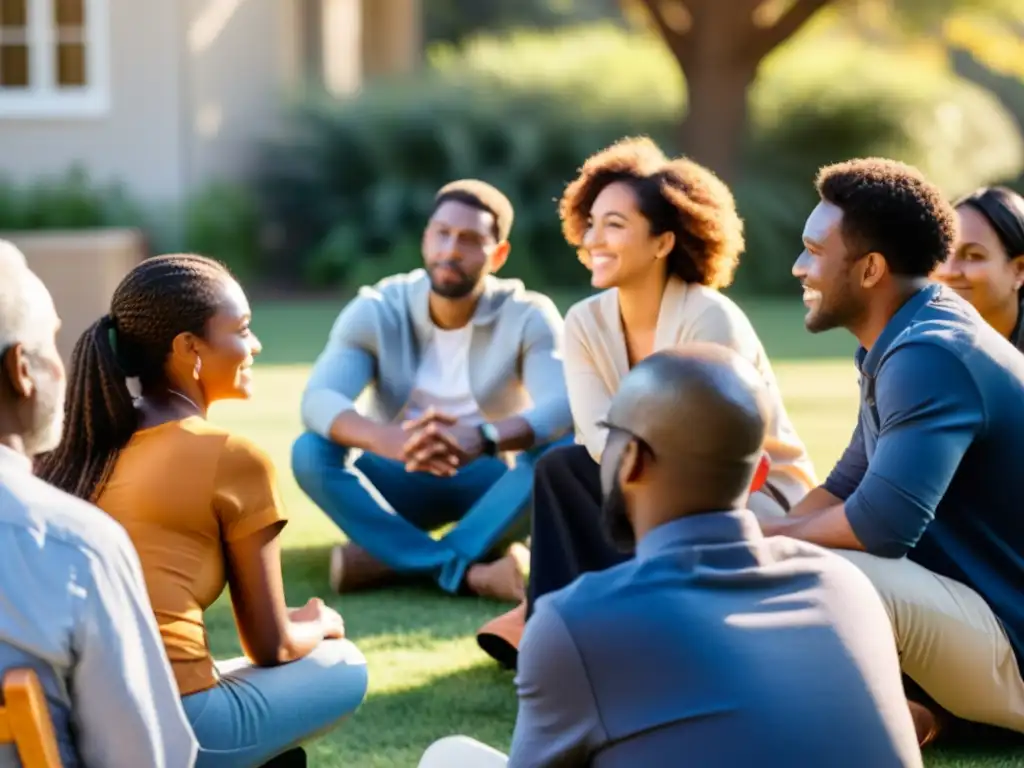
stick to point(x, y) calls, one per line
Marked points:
point(470, 377)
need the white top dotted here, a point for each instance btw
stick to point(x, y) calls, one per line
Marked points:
point(596, 361)
point(442, 380)
point(80, 615)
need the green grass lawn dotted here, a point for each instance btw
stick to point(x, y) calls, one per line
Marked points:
point(427, 677)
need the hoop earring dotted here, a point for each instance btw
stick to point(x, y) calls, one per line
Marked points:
point(198, 368)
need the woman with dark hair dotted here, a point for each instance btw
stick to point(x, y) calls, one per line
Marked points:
point(202, 509)
point(660, 237)
point(987, 267)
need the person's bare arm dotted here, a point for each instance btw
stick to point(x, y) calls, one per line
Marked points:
point(930, 411)
point(841, 482)
point(828, 527)
point(251, 516)
point(268, 633)
point(816, 500)
point(514, 434)
point(422, 445)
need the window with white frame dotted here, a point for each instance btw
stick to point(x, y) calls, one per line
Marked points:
point(53, 58)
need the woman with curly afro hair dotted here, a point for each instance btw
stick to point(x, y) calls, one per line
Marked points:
point(660, 237)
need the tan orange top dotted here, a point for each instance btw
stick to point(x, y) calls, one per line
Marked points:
point(181, 490)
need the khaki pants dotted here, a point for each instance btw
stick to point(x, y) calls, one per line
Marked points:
point(949, 641)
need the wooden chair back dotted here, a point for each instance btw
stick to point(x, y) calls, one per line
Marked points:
point(25, 720)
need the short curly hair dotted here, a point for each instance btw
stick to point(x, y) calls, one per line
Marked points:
point(890, 208)
point(674, 195)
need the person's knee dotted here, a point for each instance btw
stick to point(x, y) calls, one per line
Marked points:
point(311, 455)
point(341, 670)
point(461, 751)
point(882, 572)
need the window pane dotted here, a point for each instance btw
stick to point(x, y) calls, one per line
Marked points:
point(70, 65)
point(69, 13)
point(13, 66)
point(13, 13)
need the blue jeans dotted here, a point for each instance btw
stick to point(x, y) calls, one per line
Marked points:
point(389, 512)
point(255, 713)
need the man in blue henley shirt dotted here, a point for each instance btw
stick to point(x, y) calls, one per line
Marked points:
point(925, 499)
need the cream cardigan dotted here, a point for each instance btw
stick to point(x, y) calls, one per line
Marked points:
point(596, 360)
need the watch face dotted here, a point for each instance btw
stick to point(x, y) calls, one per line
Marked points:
point(490, 436)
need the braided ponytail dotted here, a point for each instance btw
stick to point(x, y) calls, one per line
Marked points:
point(161, 298)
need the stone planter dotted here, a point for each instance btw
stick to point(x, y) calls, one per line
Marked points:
point(81, 268)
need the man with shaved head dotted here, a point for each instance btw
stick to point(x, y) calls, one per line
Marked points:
point(707, 414)
point(713, 645)
point(924, 500)
point(75, 607)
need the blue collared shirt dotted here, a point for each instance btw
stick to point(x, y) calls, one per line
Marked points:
point(930, 472)
point(679, 654)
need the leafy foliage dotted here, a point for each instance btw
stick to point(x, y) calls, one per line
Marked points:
point(453, 21)
point(72, 200)
point(349, 187)
point(222, 222)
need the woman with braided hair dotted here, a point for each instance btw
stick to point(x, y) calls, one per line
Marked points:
point(202, 509)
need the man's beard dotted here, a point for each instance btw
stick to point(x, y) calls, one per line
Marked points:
point(615, 522)
point(823, 319)
point(458, 290)
point(48, 419)
point(841, 310)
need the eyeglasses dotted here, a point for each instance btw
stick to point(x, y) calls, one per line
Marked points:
point(644, 445)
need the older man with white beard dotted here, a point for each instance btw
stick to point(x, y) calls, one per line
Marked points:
point(75, 607)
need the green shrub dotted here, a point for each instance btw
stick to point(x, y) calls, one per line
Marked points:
point(351, 184)
point(69, 201)
point(457, 20)
point(222, 221)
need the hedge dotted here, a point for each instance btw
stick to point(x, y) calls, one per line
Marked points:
point(348, 186)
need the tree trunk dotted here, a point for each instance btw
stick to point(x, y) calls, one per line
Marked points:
point(719, 45)
point(712, 131)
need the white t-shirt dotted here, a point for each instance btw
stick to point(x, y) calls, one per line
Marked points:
point(442, 380)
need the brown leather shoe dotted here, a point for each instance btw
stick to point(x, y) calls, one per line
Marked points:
point(353, 568)
point(501, 580)
point(499, 638)
point(928, 722)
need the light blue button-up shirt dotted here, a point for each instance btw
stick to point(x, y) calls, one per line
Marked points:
point(74, 607)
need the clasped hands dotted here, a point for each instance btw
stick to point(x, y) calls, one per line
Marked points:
point(434, 442)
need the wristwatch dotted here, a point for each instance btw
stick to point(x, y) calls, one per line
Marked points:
point(489, 434)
